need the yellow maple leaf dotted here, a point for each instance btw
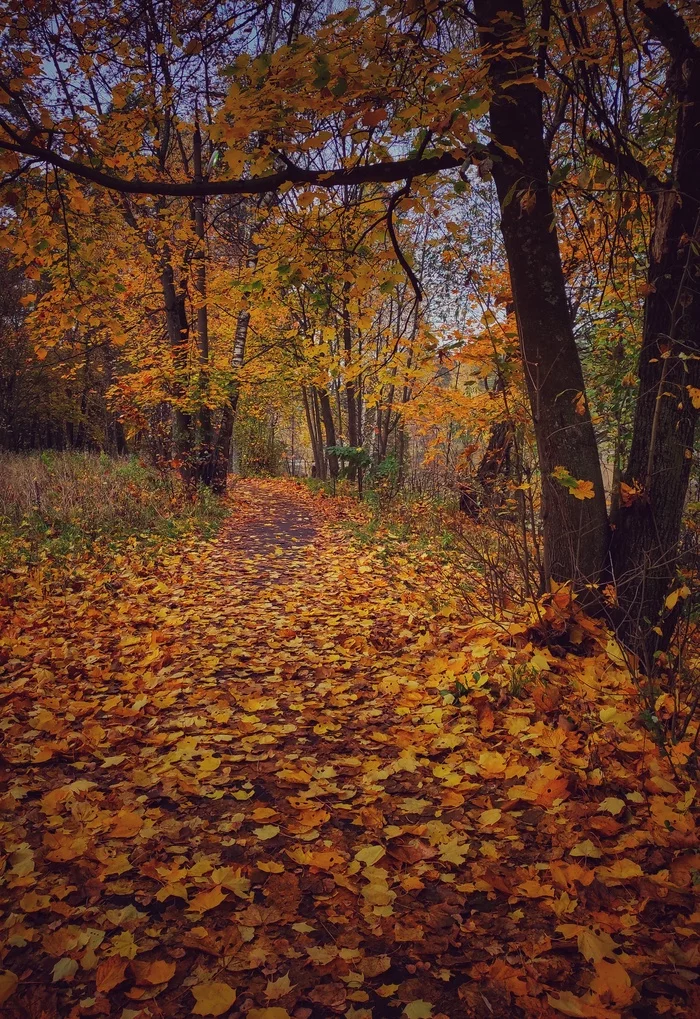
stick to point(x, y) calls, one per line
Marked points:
point(612, 980)
point(694, 395)
point(418, 1009)
point(491, 763)
point(567, 1003)
point(618, 872)
point(586, 848)
point(583, 490)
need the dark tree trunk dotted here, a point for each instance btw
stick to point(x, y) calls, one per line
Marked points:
point(494, 464)
point(313, 423)
point(178, 334)
point(329, 428)
point(350, 387)
point(575, 531)
point(206, 454)
point(648, 522)
point(222, 451)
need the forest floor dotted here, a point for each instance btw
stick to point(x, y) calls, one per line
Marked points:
point(232, 786)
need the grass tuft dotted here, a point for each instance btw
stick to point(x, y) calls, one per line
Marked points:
point(58, 504)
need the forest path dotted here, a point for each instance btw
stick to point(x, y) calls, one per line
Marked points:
point(234, 789)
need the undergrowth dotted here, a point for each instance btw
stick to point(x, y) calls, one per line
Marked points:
point(54, 506)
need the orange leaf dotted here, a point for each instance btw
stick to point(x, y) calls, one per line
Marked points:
point(160, 971)
point(209, 899)
point(127, 824)
point(110, 973)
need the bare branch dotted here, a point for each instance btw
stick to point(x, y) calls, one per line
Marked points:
point(380, 173)
point(393, 202)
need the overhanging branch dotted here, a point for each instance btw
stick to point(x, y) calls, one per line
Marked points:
point(377, 173)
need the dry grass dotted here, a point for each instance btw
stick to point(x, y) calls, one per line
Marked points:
point(55, 503)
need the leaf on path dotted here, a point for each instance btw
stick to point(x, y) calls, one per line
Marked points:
point(208, 899)
point(8, 984)
point(212, 998)
point(127, 824)
point(110, 973)
point(418, 1009)
point(268, 831)
point(160, 971)
point(278, 988)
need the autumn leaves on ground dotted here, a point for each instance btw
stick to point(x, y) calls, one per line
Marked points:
point(233, 786)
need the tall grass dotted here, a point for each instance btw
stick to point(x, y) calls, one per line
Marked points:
point(52, 504)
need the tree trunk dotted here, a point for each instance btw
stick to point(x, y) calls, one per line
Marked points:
point(314, 426)
point(350, 387)
point(648, 523)
point(206, 452)
point(384, 424)
point(575, 530)
point(329, 427)
point(222, 451)
point(178, 334)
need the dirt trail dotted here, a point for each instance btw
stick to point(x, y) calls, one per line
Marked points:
point(239, 770)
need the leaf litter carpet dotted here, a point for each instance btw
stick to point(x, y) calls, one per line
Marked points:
point(231, 786)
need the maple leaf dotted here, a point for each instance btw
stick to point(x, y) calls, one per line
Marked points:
point(619, 872)
point(595, 946)
point(418, 1009)
point(207, 899)
point(612, 804)
point(127, 824)
point(612, 981)
point(278, 988)
point(585, 848)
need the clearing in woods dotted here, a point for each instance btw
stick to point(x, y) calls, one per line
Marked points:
point(233, 787)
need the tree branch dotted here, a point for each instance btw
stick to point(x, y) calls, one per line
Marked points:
point(393, 202)
point(379, 173)
point(669, 28)
point(629, 164)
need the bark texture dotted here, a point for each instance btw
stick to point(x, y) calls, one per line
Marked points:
point(575, 531)
point(647, 524)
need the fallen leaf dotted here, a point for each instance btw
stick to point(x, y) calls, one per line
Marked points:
point(160, 971)
point(213, 998)
point(8, 984)
point(267, 831)
point(110, 973)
